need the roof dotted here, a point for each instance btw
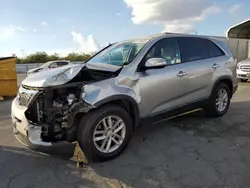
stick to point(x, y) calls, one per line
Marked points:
point(241, 30)
point(150, 37)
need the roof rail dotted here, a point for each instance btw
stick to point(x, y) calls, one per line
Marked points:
point(156, 35)
point(196, 35)
point(178, 33)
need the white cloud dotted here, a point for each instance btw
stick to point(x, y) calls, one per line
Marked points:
point(7, 32)
point(44, 23)
point(213, 10)
point(87, 45)
point(61, 52)
point(174, 15)
point(21, 53)
point(234, 8)
point(18, 28)
point(118, 14)
point(82, 45)
point(34, 30)
point(179, 28)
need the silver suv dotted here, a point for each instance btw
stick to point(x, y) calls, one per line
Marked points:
point(101, 102)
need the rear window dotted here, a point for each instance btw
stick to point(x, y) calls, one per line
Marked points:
point(193, 49)
point(214, 50)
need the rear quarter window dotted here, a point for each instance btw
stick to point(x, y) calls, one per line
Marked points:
point(214, 50)
point(193, 49)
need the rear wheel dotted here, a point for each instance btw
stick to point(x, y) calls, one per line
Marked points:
point(243, 80)
point(219, 101)
point(104, 133)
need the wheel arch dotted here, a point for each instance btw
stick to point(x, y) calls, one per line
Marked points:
point(127, 103)
point(225, 79)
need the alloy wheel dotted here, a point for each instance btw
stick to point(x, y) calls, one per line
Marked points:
point(109, 134)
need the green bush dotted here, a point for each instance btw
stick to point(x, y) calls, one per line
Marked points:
point(43, 57)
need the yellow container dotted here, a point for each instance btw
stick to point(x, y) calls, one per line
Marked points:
point(8, 77)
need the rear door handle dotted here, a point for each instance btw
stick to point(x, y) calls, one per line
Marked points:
point(215, 66)
point(181, 74)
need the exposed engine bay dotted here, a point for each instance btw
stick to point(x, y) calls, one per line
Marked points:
point(58, 109)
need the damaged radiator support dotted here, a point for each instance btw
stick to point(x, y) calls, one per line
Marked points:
point(56, 109)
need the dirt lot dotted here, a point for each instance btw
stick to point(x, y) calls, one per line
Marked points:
point(190, 152)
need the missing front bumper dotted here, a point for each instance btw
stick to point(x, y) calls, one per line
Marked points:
point(24, 128)
point(32, 137)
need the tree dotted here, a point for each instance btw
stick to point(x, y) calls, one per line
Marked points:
point(43, 57)
point(53, 57)
point(77, 57)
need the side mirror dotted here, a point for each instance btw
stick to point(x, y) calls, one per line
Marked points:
point(155, 63)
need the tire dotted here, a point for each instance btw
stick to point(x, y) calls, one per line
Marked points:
point(211, 109)
point(89, 124)
point(243, 80)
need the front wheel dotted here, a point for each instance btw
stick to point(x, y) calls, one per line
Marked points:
point(105, 132)
point(219, 101)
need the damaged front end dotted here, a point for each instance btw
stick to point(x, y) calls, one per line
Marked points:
point(54, 111)
point(51, 112)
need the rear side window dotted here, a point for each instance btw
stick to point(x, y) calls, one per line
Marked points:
point(193, 49)
point(61, 63)
point(214, 50)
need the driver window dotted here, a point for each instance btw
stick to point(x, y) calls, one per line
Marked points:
point(167, 49)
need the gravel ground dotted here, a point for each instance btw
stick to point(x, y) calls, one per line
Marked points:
point(191, 151)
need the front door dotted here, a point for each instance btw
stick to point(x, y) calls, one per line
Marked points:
point(165, 88)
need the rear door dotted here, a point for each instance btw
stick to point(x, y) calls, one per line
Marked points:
point(199, 64)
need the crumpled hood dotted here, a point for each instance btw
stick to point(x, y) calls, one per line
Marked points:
point(42, 79)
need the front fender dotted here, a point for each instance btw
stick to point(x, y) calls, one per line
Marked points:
point(118, 98)
point(111, 90)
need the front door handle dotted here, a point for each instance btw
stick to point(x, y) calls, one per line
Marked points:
point(181, 74)
point(215, 66)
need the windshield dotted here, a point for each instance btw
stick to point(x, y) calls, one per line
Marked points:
point(118, 54)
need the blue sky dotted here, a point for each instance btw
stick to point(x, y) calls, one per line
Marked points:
point(64, 26)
